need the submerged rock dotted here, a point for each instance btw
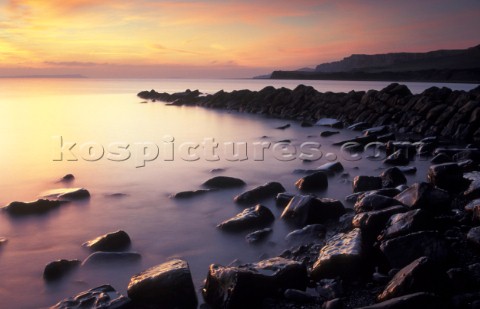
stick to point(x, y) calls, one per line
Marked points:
point(309, 233)
point(101, 297)
point(366, 183)
point(253, 217)
point(31, 208)
point(328, 133)
point(254, 195)
point(57, 269)
point(246, 286)
point(222, 182)
point(168, 285)
point(189, 194)
point(308, 209)
point(115, 241)
point(313, 182)
point(342, 256)
point(258, 236)
point(109, 258)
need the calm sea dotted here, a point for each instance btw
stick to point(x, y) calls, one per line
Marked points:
point(102, 116)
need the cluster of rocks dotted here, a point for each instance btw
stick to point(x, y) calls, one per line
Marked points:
point(436, 111)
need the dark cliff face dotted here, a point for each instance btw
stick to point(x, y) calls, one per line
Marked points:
point(441, 59)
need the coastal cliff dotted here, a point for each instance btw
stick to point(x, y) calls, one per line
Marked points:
point(435, 112)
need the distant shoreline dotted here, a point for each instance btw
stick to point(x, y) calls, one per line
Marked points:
point(46, 76)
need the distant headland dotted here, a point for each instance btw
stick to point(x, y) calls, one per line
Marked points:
point(46, 76)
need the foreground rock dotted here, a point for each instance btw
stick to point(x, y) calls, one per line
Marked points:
point(372, 222)
point(101, 297)
point(223, 182)
point(425, 196)
point(57, 269)
point(253, 217)
point(309, 233)
point(31, 208)
point(366, 183)
point(374, 201)
point(267, 190)
point(406, 223)
point(313, 182)
point(308, 209)
point(447, 176)
point(342, 256)
point(115, 241)
point(393, 177)
point(168, 285)
point(101, 258)
point(246, 286)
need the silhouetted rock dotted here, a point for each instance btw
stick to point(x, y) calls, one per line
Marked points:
point(102, 297)
point(258, 236)
point(253, 217)
point(307, 209)
point(328, 133)
point(68, 194)
point(246, 286)
point(31, 208)
point(221, 182)
point(366, 183)
point(313, 182)
point(283, 127)
point(67, 178)
point(168, 285)
point(115, 241)
point(57, 269)
point(331, 168)
point(101, 258)
point(190, 194)
point(254, 195)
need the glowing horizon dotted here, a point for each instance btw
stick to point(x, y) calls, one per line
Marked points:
point(194, 38)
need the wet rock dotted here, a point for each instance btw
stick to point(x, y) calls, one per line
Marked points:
point(331, 168)
point(190, 194)
point(270, 189)
point(416, 300)
point(222, 182)
point(335, 303)
point(342, 256)
point(101, 258)
point(376, 130)
point(421, 275)
point(57, 269)
point(31, 208)
point(102, 297)
point(406, 223)
point(399, 157)
point(441, 158)
point(473, 237)
point(313, 182)
point(372, 222)
point(470, 154)
point(246, 286)
point(359, 126)
point(408, 170)
point(393, 177)
point(309, 233)
point(68, 194)
point(115, 241)
point(67, 178)
point(307, 209)
point(473, 190)
point(366, 183)
point(253, 217)
point(258, 236)
point(425, 196)
point(168, 285)
point(328, 133)
point(299, 297)
point(374, 202)
point(447, 176)
point(283, 127)
point(282, 199)
point(402, 250)
point(329, 122)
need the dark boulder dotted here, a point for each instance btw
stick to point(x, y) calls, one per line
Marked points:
point(371, 202)
point(421, 275)
point(221, 182)
point(399, 157)
point(418, 300)
point(253, 217)
point(310, 233)
point(393, 177)
point(267, 190)
point(286, 126)
point(68, 194)
point(373, 222)
point(313, 182)
point(329, 122)
point(440, 159)
point(31, 208)
point(258, 236)
point(246, 286)
point(328, 133)
point(168, 285)
point(366, 183)
point(282, 199)
point(473, 190)
point(190, 194)
point(402, 250)
point(67, 178)
point(57, 269)
point(425, 196)
point(331, 168)
point(447, 176)
point(342, 256)
point(376, 130)
point(406, 223)
point(473, 237)
point(308, 209)
point(101, 258)
point(359, 126)
point(102, 297)
point(115, 241)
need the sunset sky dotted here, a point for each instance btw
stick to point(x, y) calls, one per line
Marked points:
point(219, 38)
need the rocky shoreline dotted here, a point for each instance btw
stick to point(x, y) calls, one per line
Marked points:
point(435, 112)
